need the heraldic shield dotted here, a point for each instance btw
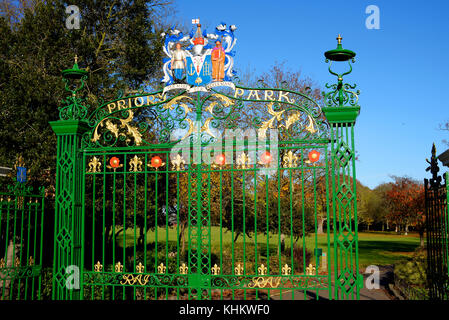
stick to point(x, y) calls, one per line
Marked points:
point(199, 70)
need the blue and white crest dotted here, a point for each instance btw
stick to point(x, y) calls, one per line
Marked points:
point(199, 70)
point(21, 174)
point(199, 59)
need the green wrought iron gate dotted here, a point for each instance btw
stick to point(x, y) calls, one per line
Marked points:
point(437, 225)
point(146, 210)
point(21, 240)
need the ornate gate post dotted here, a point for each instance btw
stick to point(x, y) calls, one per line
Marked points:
point(341, 112)
point(68, 210)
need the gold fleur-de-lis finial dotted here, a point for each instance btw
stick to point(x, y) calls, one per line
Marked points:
point(177, 163)
point(290, 160)
point(135, 164)
point(286, 270)
point(215, 270)
point(76, 59)
point(243, 161)
point(31, 261)
point(262, 270)
point(118, 267)
point(2, 263)
point(238, 269)
point(183, 269)
point(140, 267)
point(98, 267)
point(17, 262)
point(94, 165)
point(161, 268)
point(310, 270)
point(339, 38)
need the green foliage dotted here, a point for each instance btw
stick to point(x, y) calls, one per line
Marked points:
point(413, 271)
point(118, 43)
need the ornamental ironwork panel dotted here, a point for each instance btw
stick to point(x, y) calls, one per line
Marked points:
point(21, 239)
point(437, 230)
point(208, 189)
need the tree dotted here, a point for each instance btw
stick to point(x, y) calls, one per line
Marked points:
point(406, 199)
point(118, 43)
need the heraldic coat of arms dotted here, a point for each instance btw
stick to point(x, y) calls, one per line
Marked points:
point(199, 61)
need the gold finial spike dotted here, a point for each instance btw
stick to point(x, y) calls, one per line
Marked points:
point(98, 267)
point(339, 38)
point(76, 59)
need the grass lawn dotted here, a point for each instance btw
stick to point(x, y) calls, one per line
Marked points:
point(375, 248)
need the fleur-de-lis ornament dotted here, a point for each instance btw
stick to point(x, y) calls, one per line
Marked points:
point(135, 164)
point(118, 267)
point(161, 268)
point(31, 261)
point(183, 269)
point(310, 270)
point(94, 165)
point(262, 270)
point(243, 161)
point(17, 262)
point(286, 270)
point(98, 267)
point(178, 163)
point(140, 267)
point(2, 263)
point(290, 160)
point(215, 270)
point(238, 269)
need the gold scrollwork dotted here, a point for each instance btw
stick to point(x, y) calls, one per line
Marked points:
point(310, 126)
point(225, 101)
point(291, 119)
point(94, 165)
point(206, 127)
point(132, 279)
point(2, 263)
point(125, 123)
point(178, 163)
point(17, 263)
point(135, 164)
point(263, 282)
point(269, 123)
point(171, 104)
point(31, 261)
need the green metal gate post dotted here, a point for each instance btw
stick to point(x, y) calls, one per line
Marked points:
point(341, 112)
point(68, 220)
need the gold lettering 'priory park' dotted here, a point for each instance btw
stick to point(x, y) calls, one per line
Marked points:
point(262, 95)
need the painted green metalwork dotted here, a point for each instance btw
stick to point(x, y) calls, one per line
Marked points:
point(21, 236)
point(437, 226)
point(134, 188)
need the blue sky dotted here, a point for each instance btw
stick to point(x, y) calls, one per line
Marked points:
point(401, 69)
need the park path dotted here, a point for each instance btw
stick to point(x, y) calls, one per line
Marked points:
point(386, 277)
